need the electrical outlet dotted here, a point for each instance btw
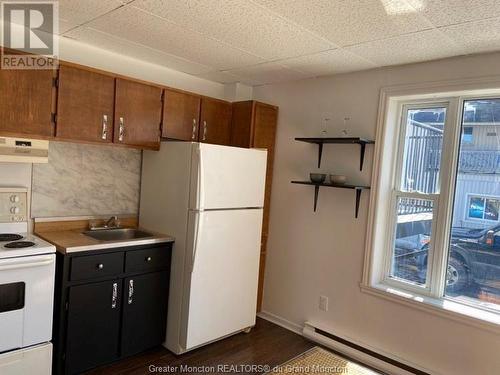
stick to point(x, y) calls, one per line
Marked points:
point(323, 303)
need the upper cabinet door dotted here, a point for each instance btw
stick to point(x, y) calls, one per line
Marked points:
point(26, 102)
point(137, 114)
point(181, 112)
point(215, 121)
point(85, 105)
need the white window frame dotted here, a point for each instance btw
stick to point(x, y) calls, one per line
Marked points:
point(430, 297)
point(397, 192)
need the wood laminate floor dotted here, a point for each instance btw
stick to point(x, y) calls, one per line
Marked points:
point(267, 344)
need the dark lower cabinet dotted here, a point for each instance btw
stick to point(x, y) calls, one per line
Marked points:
point(118, 310)
point(94, 313)
point(144, 312)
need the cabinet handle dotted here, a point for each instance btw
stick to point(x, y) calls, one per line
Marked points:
point(149, 259)
point(121, 130)
point(100, 266)
point(115, 295)
point(204, 130)
point(104, 127)
point(130, 291)
point(194, 129)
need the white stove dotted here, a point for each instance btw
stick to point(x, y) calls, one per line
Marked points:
point(24, 245)
point(27, 272)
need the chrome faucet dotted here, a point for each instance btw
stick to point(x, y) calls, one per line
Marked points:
point(112, 220)
point(111, 223)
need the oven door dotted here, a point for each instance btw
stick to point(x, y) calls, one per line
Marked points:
point(26, 300)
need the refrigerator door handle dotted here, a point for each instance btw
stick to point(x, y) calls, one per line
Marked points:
point(201, 178)
point(197, 229)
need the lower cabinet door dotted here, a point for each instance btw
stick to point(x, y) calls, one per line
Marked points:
point(93, 334)
point(144, 312)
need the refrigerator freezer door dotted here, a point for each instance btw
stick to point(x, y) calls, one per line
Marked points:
point(227, 177)
point(222, 275)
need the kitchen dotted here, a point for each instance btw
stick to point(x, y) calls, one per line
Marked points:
point(253, 187)
point(71, 188)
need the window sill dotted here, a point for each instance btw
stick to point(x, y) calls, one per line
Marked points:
point(443, 307)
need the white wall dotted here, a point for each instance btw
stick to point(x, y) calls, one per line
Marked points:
point(312, 254)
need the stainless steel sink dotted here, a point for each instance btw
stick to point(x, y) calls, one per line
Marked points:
point(117, 234)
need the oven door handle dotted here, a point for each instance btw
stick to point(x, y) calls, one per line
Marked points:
point(17, 264)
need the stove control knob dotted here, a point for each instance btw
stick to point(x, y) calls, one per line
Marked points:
point(14, 210)
point(14, 198)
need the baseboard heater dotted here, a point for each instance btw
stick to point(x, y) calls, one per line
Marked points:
point(358, 352)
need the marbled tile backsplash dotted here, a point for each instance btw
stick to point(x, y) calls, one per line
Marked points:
point(86, 180)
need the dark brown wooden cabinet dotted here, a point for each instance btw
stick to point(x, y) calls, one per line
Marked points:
point(137, 114)
point(181, 113)
point(85, 105)
point(215, 121)
point(254, 125)
point(26, 103)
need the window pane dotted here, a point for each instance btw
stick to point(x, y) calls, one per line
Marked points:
point(413, 234)
point(422, 150)
point(473, 272)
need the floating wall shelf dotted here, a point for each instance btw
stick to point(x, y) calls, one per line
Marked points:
point(362, 142)
point(317, 185)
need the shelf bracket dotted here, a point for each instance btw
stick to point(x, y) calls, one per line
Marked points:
point(358, 198)
point(320, 153)
point(316, 193)
point(362, 156)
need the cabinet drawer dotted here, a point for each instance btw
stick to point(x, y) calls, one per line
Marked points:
point(93, 266)
point(148, 259)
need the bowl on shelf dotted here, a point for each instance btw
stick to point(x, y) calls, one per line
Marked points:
point(338, 179)
point(317, 177)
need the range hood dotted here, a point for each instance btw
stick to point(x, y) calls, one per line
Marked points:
point(22, 150)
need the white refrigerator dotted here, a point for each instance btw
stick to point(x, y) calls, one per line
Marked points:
point(210, 199)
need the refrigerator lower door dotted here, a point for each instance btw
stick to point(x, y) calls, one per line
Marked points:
point(222, 274)
point(227, 177)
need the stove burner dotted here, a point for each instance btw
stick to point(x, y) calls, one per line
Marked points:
point(4, 237)
point(19, 244)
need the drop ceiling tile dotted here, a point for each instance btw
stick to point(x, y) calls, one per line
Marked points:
point(448, 12)
point(271, 72)
point(328, 62)
point(221, 77)
point(349, 22)
point(65, 26)
point(140, 27)
point(404, 49)
point(476, 37)
point(240, 23)
point(111, 43)
point(79, 12)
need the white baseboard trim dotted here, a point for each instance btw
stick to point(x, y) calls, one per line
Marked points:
point(296, 328)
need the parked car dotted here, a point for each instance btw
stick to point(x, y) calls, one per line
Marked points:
point(474, 258)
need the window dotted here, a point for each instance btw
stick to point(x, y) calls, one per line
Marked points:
point(483, 208)
point(436, 230)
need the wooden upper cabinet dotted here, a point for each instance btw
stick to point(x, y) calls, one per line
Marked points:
point(26, 103)
point(215, 121)
point(137, 114)
point(254, 126)
point(181, 112)
point(85, 105)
